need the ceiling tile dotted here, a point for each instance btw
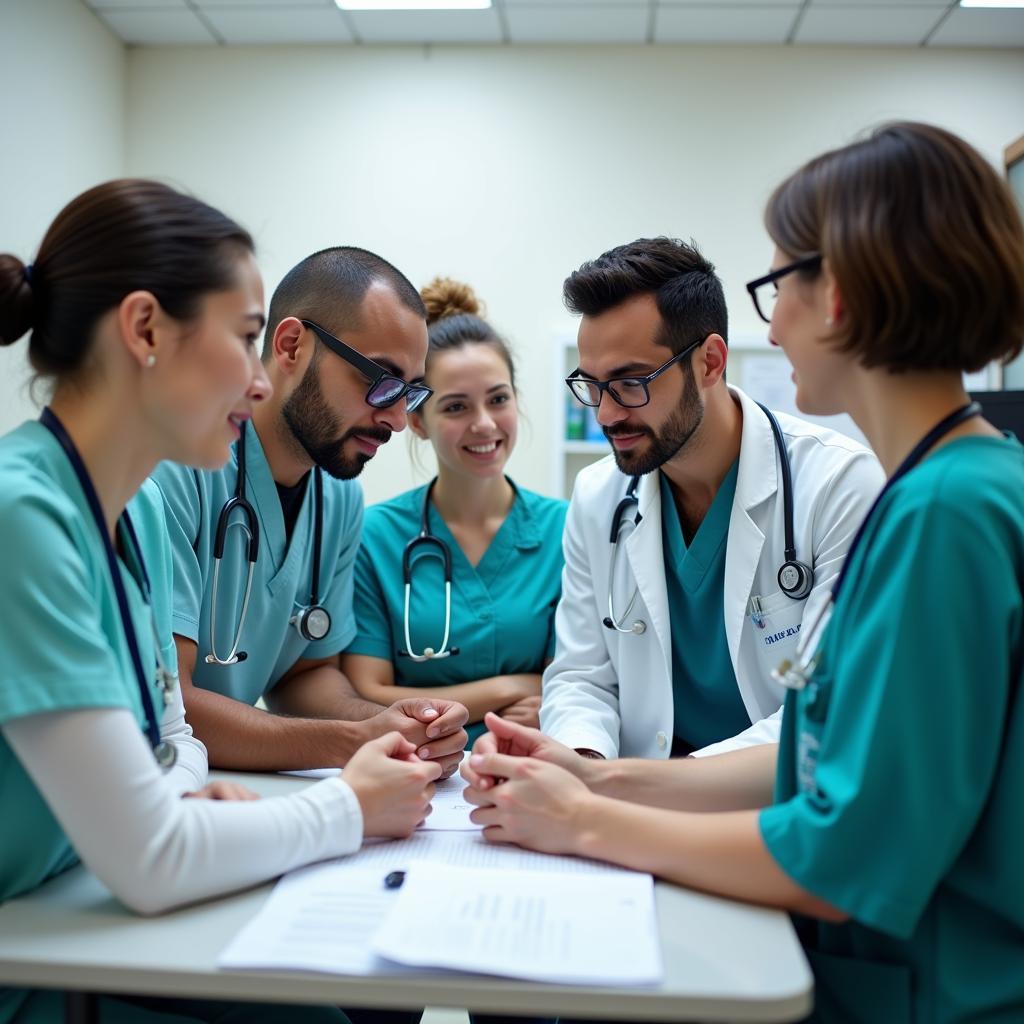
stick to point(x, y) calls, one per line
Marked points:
point(866, 26)
point(168, 4)
point(979, 26)
point(263, 26)
point(887, 4)
point(511, 4)
point(719, 4)
point(427, 26)
point(323, 5)
point(157, 27)
point(722, 24)
point(556, 23)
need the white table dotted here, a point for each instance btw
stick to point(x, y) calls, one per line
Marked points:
point(723, 961)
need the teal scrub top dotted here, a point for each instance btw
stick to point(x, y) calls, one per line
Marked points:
point(900, 782)
point(64, 648)
point(502, 610)
point(707, 706)
point(283, 577)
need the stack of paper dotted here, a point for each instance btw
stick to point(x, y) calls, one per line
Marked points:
point(526, 924)
point(495, 909)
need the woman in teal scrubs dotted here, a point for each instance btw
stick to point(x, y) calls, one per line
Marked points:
point(894, 833)
point(504, 542)
point(145, 308)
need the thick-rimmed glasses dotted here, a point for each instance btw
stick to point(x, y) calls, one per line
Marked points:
point(629, 392)
point(385, 388)
point(765, 290)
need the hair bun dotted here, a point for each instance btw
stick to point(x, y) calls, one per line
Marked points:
point(16, 307)
point(445, 297)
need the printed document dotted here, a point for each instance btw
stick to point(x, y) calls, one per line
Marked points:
point(526, 924)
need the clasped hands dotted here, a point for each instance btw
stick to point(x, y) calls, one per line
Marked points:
point(527, 788)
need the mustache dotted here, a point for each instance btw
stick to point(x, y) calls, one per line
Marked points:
point(381, 434)
point(619, 429)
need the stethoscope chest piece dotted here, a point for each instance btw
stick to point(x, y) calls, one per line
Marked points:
point(313, 623)
point(796, 579)
point(165, 754)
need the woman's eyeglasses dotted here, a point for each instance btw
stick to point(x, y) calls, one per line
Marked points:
point(764, 291)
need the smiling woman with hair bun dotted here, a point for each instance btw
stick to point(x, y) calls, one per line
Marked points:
point(504, 542)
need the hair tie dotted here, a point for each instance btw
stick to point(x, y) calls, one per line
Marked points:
point(28, 274)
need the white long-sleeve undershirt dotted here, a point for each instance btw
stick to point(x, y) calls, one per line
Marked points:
point(152, 849)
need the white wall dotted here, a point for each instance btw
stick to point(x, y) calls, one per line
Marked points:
point(61, 130)
point(509, 166)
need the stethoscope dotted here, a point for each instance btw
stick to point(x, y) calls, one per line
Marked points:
point(314, 621)
point(427, 543)
point(794, 674)
point(795, 578)
point(163, 751)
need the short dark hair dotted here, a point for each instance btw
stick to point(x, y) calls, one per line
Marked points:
point(924, 240)
point(123, 236)
point(684, 284)
point(329, 286)
point(454, 320)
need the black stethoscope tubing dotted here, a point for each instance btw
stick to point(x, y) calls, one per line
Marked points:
point(796, 578)
point(314, 621)
point(795, 674)
point(164, 752)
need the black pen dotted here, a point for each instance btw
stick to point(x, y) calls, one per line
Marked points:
point(394, 879)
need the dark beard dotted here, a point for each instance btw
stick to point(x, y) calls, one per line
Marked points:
point(664, 445)
point(315, 428)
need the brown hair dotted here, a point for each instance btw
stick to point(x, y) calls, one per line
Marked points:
point(454, 319)
point(924, 240)
point(119, 237)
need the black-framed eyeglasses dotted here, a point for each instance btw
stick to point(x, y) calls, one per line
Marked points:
point(764, 291)
point(385, 388)
point(629, 392)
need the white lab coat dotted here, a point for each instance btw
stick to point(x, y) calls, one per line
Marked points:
point(612, 692)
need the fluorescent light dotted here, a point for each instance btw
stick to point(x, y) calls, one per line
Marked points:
point(992, 3)
point(413, 5)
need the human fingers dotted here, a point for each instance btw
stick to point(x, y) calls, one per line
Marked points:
point(477, 797)
point(452, 716)
point(444, 746)
point(500, 766)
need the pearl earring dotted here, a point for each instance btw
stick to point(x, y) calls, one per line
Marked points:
point(150, 360)
point(828, 321)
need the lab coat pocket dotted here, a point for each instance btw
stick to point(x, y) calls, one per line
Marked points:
point(776, 620)
point(852, 991)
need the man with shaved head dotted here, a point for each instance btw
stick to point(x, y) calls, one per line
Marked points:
point(264, 548)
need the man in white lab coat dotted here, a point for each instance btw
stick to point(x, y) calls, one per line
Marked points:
point(705, 600)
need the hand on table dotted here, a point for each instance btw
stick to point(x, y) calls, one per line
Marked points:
point(436, 728)
point(538, 805)
point(221, 791)
point(393, 785)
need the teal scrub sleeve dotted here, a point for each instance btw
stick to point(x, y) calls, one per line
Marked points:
point(183, 509)
point(56, 655)
point(920, 650)
point(373, 623)
point(337, 597)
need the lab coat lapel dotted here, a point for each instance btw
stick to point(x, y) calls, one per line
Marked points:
point(756, 482)
point(647, 563)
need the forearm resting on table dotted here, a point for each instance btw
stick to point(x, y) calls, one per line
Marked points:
point(722, 854)
point(373, 678)
point(738, 780)
point(319, 690)
point(243, 738)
